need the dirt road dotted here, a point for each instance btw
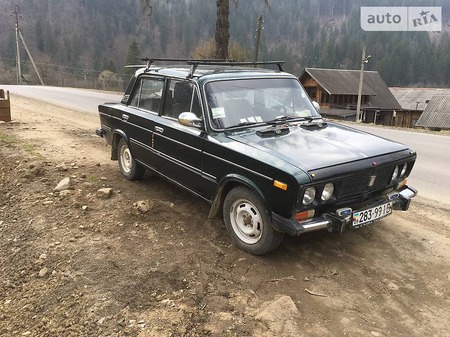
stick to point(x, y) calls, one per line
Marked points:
point(109, 257)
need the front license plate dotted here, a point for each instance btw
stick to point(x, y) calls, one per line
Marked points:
point(370, 215)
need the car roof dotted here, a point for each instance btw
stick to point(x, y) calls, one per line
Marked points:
point(205, 73)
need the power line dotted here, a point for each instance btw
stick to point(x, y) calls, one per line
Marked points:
point(258, 29)
point(61, 66)
point(252, 7)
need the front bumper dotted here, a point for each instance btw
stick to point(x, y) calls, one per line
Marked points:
point(340, 221)
point(100, 132)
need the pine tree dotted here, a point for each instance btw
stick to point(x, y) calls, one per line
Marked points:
point(133, 56)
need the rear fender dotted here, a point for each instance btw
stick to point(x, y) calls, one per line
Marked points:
point(117, 136)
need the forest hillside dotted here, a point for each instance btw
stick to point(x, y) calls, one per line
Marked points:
point(88, 42)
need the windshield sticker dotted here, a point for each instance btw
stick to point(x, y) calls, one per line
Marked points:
point(303, 113)
point(218, 112)
point(259, 119)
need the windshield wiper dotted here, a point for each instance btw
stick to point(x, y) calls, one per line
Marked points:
point(282, 119)
point(311, 118)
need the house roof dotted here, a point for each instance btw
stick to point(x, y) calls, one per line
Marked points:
point(346, 82)
point(416, 98)
point(436, 114)
point(339, 81)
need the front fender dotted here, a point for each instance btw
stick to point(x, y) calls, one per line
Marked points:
point(225, 185)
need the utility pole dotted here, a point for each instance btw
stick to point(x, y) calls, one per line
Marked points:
point(258, 36)
point(17, 14)
point(31, 58)
point(364, 60)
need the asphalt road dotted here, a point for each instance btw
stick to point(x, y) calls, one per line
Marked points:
point(74, 98)
point(431, 174)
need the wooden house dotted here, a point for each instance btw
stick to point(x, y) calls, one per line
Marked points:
point(336, 91)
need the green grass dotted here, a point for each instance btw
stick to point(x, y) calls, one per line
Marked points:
point(92, 179)
point(26, 147)
point(4, 138)
point(31, 150)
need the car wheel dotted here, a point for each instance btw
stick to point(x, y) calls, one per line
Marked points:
point(129, 168)
point(248, 223)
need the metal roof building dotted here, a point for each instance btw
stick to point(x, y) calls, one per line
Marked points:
point(417, 98)
point(436, 114)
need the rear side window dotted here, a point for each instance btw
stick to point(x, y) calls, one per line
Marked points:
point(148, 95)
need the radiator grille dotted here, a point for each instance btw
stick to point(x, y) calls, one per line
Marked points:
point(358, 184)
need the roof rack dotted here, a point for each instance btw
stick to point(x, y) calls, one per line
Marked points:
point(215, 62)
point(196, 63)
point(152, 60)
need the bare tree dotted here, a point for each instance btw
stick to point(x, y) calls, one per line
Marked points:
point(148, 7)
point(222, 35)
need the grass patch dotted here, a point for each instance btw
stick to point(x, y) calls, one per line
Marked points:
point(17, 143)
point(4, 138)
point(31, 150)
point(92, 179)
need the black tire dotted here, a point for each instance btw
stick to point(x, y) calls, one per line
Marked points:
point(129, 168)
point(248, 223)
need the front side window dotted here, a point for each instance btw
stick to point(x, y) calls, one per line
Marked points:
point(148, 95)
point(243, 102)
point(181, 97)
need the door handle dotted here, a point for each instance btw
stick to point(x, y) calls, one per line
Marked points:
point(159, 129)
point(125, 117)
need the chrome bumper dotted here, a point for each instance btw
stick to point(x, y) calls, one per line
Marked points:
point(338, 223)
point(100, 132)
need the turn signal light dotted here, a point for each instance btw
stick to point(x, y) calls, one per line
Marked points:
point(280, 185)
point(400, 184)
point(304, 215)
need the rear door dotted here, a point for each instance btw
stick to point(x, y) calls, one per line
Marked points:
point(139, 117)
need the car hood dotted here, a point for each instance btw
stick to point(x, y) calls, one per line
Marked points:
point(313, 148)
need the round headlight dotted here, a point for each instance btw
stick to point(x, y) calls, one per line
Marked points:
point(310, 194)
point(405, 167)
point(327, 192)
point(395, 174)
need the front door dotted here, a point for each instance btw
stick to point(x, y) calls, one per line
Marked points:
point(180, 147)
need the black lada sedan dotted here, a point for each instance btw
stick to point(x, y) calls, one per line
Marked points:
point(251, 143)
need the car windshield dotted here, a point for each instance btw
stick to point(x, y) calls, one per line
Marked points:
point(253, 101)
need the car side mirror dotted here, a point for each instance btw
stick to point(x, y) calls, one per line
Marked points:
point(316, 105)
point(189, 119)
